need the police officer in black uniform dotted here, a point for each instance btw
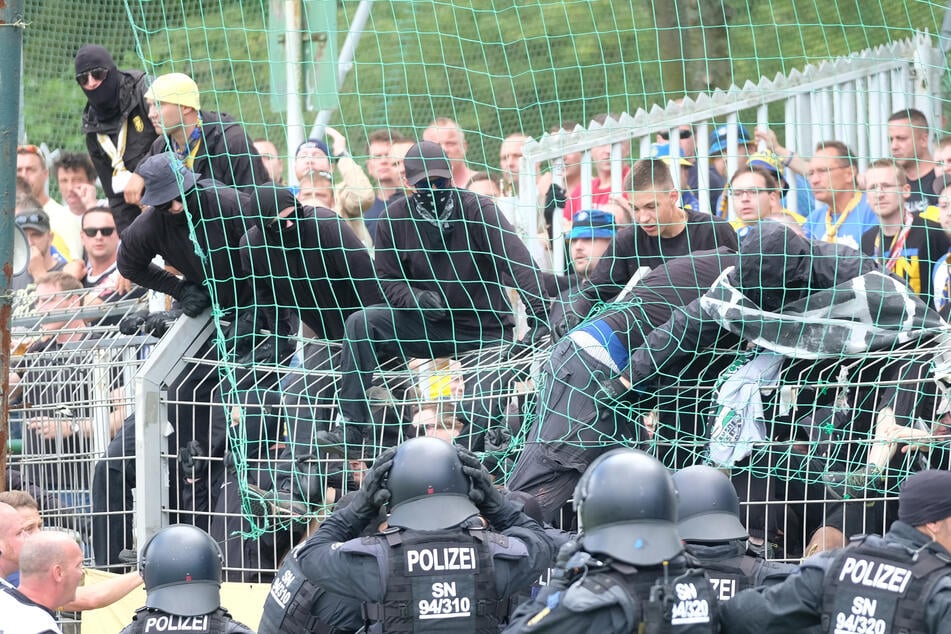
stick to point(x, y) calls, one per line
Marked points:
point(628, 571)
point(435, 566)
point(181, 568)
point(897, 583)
point(708, 512)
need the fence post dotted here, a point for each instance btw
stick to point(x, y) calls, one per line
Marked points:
point(11, 49)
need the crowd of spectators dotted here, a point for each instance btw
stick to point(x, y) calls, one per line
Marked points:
point(409, 260)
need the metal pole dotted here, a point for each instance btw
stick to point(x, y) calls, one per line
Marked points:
point(344, 62)
point(292, 61)
point(11, 51)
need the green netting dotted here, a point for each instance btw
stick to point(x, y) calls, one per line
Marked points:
point(496, 69)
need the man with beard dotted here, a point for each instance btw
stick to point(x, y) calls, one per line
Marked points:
point(116, 124)
point(444, 257)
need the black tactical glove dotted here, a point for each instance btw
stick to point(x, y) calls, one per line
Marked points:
point(561, 327)
point(189, 459)
point(373, 493)
point(482, 492)
point(273, 350)
point(193, 299)
point(537, 333)
point(130, 324)
point(240, 333)
point(431, 304)
point(156, 324)
point(555, 197)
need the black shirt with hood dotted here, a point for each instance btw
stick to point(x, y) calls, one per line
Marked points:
point(311, 261)
point(469, 258)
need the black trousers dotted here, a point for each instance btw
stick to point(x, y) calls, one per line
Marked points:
point(576, 422)
point(380, 333)
point(199, 420)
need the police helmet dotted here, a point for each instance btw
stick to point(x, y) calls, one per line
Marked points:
point(428, 490)
point(708, 509)
point(181, 568)
point(627, 508)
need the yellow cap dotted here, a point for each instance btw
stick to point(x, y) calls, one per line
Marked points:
point(177, 88)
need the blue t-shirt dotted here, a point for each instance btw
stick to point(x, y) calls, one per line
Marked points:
point(859, 218)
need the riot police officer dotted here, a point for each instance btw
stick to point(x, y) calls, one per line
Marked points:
point(897, 583)
point(708, 519)
point(181, 568)
point(436, 565)
point(627, 571)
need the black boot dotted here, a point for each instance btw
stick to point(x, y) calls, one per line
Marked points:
point(346, 441)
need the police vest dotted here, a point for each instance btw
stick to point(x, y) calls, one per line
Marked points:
point(147, 621)
point(731, 575)
point(682, 604)
point(879, 590)
point(287, 609)
point(439, 582)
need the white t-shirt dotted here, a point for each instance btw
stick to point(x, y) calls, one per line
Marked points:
point(19, 615)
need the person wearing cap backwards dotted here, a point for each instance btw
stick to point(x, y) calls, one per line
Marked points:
point(444, 257)
point(708, 519)
point(116, 124)
point(181, 568)
point(590, 236)
point(208, 143)
point(900, 582)
point(452, 551)
point(627, 571)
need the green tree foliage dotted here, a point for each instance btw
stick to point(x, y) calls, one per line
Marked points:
point(496, 67)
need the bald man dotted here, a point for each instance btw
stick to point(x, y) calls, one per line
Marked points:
point(17, 527)
point(51, 568)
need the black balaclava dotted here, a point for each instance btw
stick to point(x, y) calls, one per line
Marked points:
point(272, 200)
point(105, 98)
point(435, 202)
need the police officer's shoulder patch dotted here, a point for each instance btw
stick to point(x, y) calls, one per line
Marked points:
point(511, 548)
point(591, 594)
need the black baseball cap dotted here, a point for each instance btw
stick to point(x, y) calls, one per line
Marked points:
point(426, 160)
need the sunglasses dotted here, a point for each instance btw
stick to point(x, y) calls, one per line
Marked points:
point(96, 73)
point(105, 231)
point(29, 149)
point(684, 134)
point(31, 219)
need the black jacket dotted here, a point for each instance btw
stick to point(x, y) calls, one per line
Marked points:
point(139, 139)
point(219, 225)
point(336, 559)
point(470, 264)
point(633, 248)
point(318, 266)
point(226, 154)
point(798, 601)
point(775, 267)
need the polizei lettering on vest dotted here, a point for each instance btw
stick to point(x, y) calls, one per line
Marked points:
point(170, 623)
point(438, 559)
point(875, 574)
